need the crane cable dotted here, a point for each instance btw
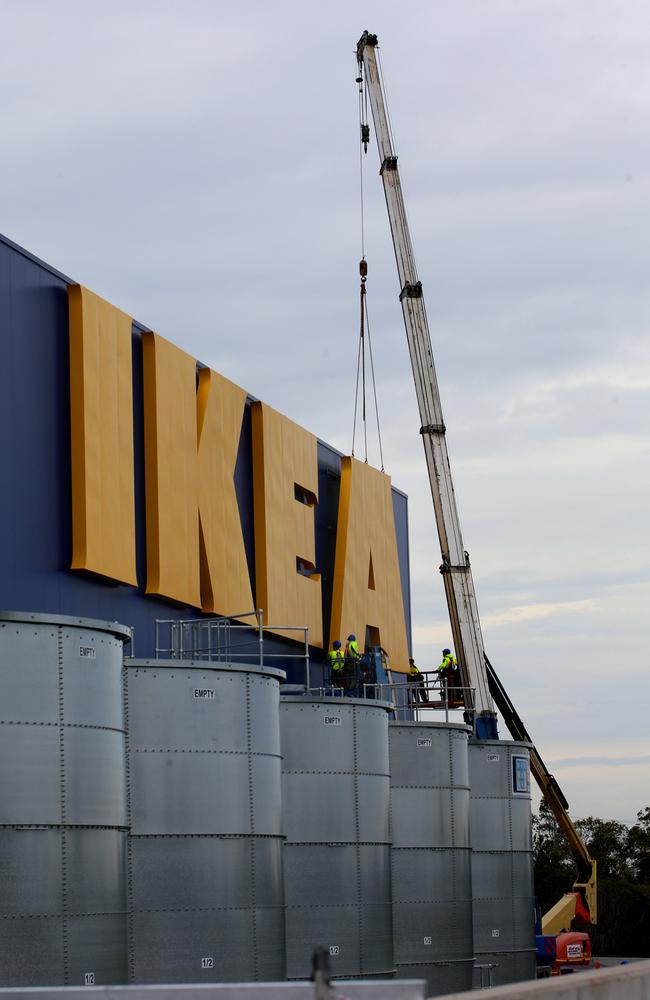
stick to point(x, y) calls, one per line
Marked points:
point(364, 324)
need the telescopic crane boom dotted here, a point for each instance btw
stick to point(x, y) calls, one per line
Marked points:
point(476, 671)
point(455, 568)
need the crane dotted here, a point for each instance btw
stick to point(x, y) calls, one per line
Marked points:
point(456, 569)
point(476, 670)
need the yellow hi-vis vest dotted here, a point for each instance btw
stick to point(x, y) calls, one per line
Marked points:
point(352, 649)
point(414, 671)
point(449, 661)
point(336, 658)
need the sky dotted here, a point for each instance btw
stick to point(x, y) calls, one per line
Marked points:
point(197, 164)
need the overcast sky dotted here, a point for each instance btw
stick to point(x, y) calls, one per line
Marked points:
point(197, 164)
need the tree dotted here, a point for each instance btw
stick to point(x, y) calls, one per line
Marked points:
point(607, 842)
point(638, 847)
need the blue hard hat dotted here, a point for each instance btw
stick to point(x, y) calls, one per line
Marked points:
point(446, 652)
point(336, 644)
point(352, 637)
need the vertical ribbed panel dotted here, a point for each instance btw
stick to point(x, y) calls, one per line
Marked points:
point(502, 859)
point(62, 802)
point(205, 851)
point(336, 820)
point(431, 856)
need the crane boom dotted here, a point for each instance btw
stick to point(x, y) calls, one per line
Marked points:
point(455, 568)
point(476, 670)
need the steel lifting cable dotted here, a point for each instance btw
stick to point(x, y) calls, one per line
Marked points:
point(364, 324)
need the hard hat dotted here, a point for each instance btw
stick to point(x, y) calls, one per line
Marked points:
point(411, 660)
point(336, 644)
point(352, 637)
point(446, 652)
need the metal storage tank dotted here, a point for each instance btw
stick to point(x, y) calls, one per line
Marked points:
point(502, 859)
point(205, 851)
point(336, 793)
point(431, 854)
point(62, 801)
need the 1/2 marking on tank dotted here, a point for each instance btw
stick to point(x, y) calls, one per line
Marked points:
point(89, 978)
point(424, 741)
point(427, 939)
point(334, 949)
point(492, 758)
point(332, 720)
point(204, 694)
point(87, 652)
point(495, 932)
point(207, 962)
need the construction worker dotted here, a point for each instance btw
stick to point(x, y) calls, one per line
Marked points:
point(416, 680)
point(449, 670)
point(352, 648)
point(336, 661)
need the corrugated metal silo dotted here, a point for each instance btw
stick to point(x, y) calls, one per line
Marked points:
point(431, 855)
point(62, 801)
point(502, 859)
point(205, 852)
point(336, 791)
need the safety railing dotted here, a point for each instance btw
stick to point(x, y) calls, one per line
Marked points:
point(222, 640)
point(415, 698)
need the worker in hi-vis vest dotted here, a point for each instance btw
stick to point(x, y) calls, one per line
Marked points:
point(352, 648)
point(449, 670)
point(416, 680)
point(336, 660)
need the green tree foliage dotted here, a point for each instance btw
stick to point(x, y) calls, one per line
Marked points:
point(623, 856)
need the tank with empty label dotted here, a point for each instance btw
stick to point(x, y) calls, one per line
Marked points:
point(62, 802)
point(205, 852)
point(502, 861)
point(431, 854)
point(336, 820)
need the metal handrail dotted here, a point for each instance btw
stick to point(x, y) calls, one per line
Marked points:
point(407, 698)
point(211, 639)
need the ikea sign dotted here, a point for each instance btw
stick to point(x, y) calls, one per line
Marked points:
point(195, 548)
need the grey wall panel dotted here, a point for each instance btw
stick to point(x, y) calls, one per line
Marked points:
point(92, 684)
point(327, 873)
point(502, 868)
point(333, 927)
point(205, 857)
point(313, 741)
point(493, 925)
point(374, 873)
point(441, 977)
point(508, 967)
point(431, 869)
point(181, 793)
point(371, 743)
point(32, 951)
point(267, 859)
point(377, 940)
point(265, 795)
point(319, 808)
point(173, 946)
point(29, 775)
point(270, 961)
point(29, 673)
point(30, 872)
point(198, 872)
point(62, 802)
point(96, 945)
point(424, 873)
point(95, 871)
point(490, 823)
point(95, 779)
point(421, 817)
point(336, 797)
point(373, 805)
point(264, 715)
point(164, 714)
